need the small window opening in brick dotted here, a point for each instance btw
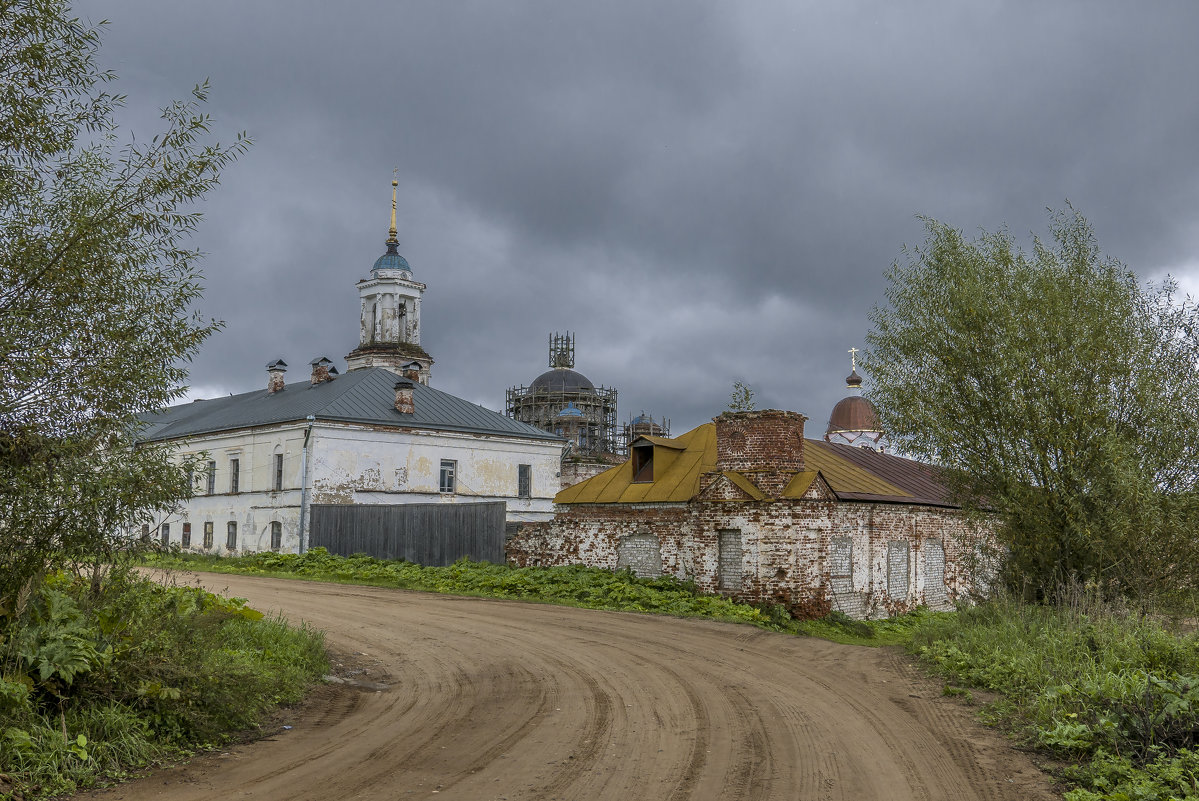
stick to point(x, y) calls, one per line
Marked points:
point(643, 463)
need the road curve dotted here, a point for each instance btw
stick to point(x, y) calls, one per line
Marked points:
point(484, 700)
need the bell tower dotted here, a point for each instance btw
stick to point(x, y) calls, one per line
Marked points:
point(389, 330)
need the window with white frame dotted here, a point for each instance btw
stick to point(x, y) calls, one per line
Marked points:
point(524, 481)
point(235, 475)
point(449, 475)
point(278, 472)
point(231, 536)
point(210, 488)
point(276, 535)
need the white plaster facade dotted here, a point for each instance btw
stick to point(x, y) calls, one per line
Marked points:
point(349, 463)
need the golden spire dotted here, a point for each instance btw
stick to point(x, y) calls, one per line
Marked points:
point(391, 232)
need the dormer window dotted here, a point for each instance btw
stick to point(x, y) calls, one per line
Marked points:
point(643, 462)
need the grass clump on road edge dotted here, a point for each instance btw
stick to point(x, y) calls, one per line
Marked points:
point(571, 585)
point(1115, 694)
point(93, 686)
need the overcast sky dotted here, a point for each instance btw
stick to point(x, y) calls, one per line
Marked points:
point(704, 192)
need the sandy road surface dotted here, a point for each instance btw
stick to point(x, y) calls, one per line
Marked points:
point(488, 700)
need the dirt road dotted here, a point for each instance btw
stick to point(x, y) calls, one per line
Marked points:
point(486, 700)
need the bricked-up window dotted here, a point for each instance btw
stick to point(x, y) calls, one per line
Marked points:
point(208, 535)
point(210, 489)
point(728, 560)
point(278, 472)
point(524, 481)
point(166, 533)
point(643, 462)
point(898, 569)
point(276, 535)
point(186, 538)
point(449, 475)
point(235, 475)
point(231, 536)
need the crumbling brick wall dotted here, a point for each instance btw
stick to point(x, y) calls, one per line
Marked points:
point(810, 555)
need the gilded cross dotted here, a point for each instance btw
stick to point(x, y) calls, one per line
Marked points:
point(853, 359)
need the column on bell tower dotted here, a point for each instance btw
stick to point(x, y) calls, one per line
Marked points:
point(389, 330)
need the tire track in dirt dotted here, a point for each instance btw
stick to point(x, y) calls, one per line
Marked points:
point(496, 700)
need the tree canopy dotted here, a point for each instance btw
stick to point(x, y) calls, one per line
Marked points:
point(1057, 392)
point(96, 291)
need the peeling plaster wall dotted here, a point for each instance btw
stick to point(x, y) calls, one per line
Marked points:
point(351, 464)
point(786, 549)
point(256, 504)
point(356, 464)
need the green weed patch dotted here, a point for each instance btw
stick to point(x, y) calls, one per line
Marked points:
point(1118, 694)
point(572, 585)
point(94, 686)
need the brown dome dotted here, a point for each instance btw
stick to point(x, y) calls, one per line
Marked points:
point(854, 413)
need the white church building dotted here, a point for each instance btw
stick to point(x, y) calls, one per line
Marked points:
point(379, 434)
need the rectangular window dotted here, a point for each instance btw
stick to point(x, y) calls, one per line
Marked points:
point(231, 537)
point(524, 481)
point(186, 540)
point(276, 535)
point(211, 489)
point(146, 533)
point(208, 535)
point(278, 472)
point(166, 533)
point(234, 475)
point(449, 480)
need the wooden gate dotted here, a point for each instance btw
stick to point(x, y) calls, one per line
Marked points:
point(435, 534)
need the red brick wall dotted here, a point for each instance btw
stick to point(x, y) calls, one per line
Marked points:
point(765, 440)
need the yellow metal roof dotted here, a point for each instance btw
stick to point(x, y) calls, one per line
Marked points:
point(680, 461)
point(744, 484)
point(845, 476)
point(678, 464)
point(799, 484)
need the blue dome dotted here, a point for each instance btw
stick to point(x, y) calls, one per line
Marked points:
point(392, 260)
point(571, 411)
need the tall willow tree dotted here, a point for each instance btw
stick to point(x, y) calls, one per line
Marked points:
point(96, 287)
point(1057, 391)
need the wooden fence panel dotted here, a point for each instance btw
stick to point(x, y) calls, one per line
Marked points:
point(435, 534)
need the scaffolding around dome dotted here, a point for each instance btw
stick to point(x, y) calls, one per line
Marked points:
point(643, 425)
point(589, 422)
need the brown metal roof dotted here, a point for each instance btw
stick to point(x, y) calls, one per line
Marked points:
point(918, 480)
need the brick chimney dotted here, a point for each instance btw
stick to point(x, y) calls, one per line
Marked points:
point(322, 370)
point(274, 375)
point(405, 404)
point(411, 371)
point(766, 446)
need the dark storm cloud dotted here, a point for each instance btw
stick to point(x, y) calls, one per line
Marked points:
point(704, 192)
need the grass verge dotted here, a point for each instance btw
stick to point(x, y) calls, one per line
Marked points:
point(573, 585)
point(95, 685)
point(1115, 694)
